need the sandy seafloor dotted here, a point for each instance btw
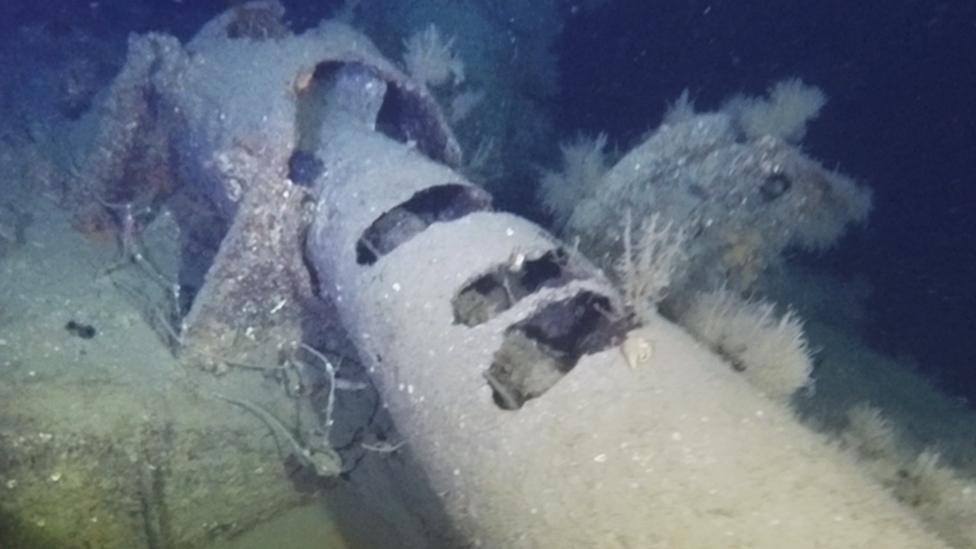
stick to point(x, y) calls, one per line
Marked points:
point(86, 424)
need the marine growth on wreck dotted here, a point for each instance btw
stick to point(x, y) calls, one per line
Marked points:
point(338, 275)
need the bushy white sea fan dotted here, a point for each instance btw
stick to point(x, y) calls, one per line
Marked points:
point(584, 163)
point(681, 109)
point(771, 352)
point(649, 264)
point(941, 495)
point(431, 60)
point(945, 500)
point(784, 113)
point(462, 104)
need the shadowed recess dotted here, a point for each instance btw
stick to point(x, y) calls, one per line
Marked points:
point(506, 284)
point(431, 205)
point(538, 351)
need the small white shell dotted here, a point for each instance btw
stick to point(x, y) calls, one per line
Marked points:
point(637, 350)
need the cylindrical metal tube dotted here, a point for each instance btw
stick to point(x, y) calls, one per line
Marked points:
point(470, 322)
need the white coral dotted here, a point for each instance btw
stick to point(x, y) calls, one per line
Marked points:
point(945, 500)
point(463, 103)
point(647, 267)
point(784, 113)
point(431, 60)
point(681, 109)
point(772, 352)
point(870, 433)
point(584, 163)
